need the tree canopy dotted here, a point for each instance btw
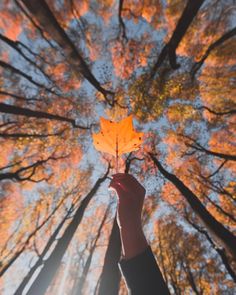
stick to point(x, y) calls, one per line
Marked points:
point(169, 65)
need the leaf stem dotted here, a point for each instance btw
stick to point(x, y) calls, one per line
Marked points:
point(117, 170)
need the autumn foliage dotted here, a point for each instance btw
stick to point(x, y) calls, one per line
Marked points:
point(168, 68)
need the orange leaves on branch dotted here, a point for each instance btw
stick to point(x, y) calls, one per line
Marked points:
point(172, 196)
point(148, 10)
point(117, 138)
point(10, 24)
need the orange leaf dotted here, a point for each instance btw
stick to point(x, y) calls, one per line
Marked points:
point(117, 138)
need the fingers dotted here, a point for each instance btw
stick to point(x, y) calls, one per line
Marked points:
point(128, 181)
point(122, 183)
point(116, 182)
point(123, 176)
point(127, 185)
point(118, 188)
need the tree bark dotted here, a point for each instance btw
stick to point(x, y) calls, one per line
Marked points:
point(182, 26)
point(220, 251)
point(218, 231)
point(110, 277)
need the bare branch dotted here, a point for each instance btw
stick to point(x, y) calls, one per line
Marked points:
point(30, 168)
point(230, 112)
point(34, 23)
point(220, 209)
point(7, 124)
point(129, 160)
point(18, 96)
point(217, 170)
point(27, 77)
point(10, 109)
point(197, 146)
point(121, 22)
point(28, 135)
point(14, 45)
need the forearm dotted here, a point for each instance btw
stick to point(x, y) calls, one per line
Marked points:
point(138, 265)
point(133, 240)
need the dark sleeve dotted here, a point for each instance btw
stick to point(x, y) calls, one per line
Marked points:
point(142, 275)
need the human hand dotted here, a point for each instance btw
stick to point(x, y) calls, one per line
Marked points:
point(130, 199)
point(130, 203)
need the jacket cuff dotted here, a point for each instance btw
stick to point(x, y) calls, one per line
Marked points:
point(142, 275)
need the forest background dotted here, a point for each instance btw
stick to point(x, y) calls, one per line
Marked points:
point(63, 64)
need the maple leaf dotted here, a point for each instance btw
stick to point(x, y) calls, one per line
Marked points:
point(117, 138)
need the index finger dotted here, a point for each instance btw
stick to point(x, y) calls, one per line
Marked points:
point(122, 176)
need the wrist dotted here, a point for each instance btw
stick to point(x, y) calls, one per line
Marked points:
point(131, 231)
point(132, 228)
point(133, 240)
point(129, 222)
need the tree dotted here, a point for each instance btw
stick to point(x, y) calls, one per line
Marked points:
point(225, 237)
point(49, 22)
point(181, 256)
point(52, 262)
point(185, 20)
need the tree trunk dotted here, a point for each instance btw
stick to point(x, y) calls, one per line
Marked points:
point(218, 231)
point(51, 265)
point(182, 26)
point(220, 251)
point(49, 23)
point(39, 262)
point(78, 290)
point(110, 277)
point(27, 241)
